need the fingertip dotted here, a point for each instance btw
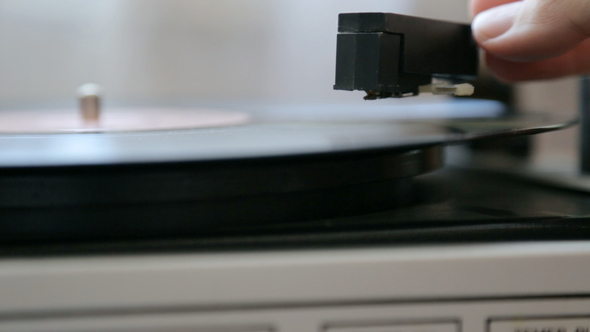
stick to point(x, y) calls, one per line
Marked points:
point(493, 23)
point(528, 31)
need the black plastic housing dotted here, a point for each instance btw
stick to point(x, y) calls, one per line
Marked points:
point(391, 55)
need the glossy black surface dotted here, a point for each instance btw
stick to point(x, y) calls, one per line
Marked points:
point(454, 205)
point(430, 46)
point(146, 201)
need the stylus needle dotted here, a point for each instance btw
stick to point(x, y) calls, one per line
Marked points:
point(464, 89)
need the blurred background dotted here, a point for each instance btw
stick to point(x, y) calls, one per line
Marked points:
point(280, 50)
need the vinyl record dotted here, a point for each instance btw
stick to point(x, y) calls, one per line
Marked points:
point(280, 165)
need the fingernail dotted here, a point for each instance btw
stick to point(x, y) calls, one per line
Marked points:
point(495, 22)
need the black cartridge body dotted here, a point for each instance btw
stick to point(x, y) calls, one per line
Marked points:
point(391, 55)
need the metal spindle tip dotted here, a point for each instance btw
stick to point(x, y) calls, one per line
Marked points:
point(89, 89)
point(89, 97)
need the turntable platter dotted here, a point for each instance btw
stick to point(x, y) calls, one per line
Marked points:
point(250, 140)
point(124, 184)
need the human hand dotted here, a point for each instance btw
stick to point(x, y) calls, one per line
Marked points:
point(533, 39)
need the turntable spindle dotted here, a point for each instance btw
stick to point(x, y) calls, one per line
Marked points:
point(89, 96)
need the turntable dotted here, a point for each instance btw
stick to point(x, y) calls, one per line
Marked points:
point(155, 173)
point(267, 217)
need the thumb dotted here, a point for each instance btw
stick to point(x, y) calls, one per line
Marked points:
point(532, 30)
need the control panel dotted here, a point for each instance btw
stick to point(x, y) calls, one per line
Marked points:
point(556, 324)
point(528, 287)
point(506, 315)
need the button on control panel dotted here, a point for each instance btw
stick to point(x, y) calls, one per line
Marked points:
point(401, 327)
point(580, 324)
